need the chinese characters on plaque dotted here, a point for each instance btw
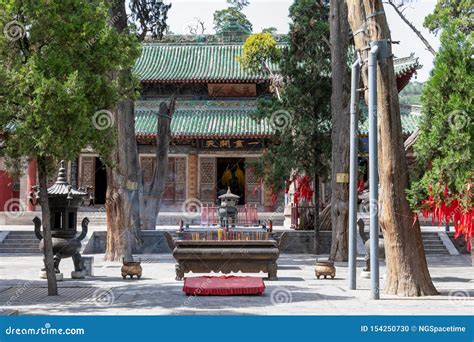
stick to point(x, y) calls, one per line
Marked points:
point(229, 144)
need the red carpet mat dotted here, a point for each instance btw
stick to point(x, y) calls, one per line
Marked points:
point(223, 286)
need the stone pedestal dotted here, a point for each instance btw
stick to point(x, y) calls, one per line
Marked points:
point(59, 276)
point(78, 274)
point(88, 263)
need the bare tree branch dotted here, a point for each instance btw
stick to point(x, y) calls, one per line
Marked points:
point(414, 29)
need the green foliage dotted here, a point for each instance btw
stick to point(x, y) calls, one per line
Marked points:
point(225, 18)
point(302, 117)
point(445, 147)
point(259, 48)
point(451, 12)
point(240, 4)
point(57, 75)
point(150, 16)
point(272, 30)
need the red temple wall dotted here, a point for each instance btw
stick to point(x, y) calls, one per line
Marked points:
point(6, 190)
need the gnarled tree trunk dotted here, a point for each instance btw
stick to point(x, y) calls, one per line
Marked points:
point(152, 193)
point(407, 270)
point(123, 177)
point(339, 29)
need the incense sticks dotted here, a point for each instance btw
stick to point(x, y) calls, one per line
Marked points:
point(227, 235)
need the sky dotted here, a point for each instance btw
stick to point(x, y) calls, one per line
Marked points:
point(274, 13)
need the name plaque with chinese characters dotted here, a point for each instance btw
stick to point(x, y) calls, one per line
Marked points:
point(230, 144)
point(232, 90)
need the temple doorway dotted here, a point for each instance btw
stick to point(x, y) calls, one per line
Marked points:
point(231, 173)
point(100, 182)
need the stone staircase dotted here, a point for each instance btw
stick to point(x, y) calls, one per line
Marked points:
point(431, 240)
point(25, 242)
point(20, 242)
point(433, 244)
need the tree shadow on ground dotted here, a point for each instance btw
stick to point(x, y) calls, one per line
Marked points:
point(171, 297)
point(454, 296)
point(450, 279)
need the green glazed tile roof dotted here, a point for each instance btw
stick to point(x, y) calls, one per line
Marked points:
point(410, 115)
point(204, 119)
point(230, 119)
point(193, 63)
point(211, 63)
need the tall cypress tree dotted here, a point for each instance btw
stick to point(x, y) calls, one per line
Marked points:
point(302, 115)
point(445, 146)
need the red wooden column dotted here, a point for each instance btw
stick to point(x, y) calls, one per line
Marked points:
point(31, 181)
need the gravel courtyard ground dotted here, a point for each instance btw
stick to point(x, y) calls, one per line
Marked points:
point(297, 292)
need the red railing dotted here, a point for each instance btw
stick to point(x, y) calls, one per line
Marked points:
point(247, 214)
point(302, 217)
point(299, 213)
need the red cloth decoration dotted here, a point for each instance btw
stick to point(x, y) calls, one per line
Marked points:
point(446, 207)
point(302, 189)
point(223, 286)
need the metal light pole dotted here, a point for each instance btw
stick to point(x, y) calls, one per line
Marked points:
point(373, 174)
point(354, 137)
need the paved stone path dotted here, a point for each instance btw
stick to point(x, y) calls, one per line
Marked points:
point(297, 292)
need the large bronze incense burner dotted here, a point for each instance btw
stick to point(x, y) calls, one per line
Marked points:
point(64, 202)
point(226, 248)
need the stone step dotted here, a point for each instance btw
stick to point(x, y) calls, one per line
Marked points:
point(20, 245)
point(11, 236)
point(22, 232)
point(438, 246)
point(433, 242)
point(14, 236)
point(14, 239)
point(445, 252)
point(440, 249)
point(427, 238)
point(21, 241)
point(9, 250)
